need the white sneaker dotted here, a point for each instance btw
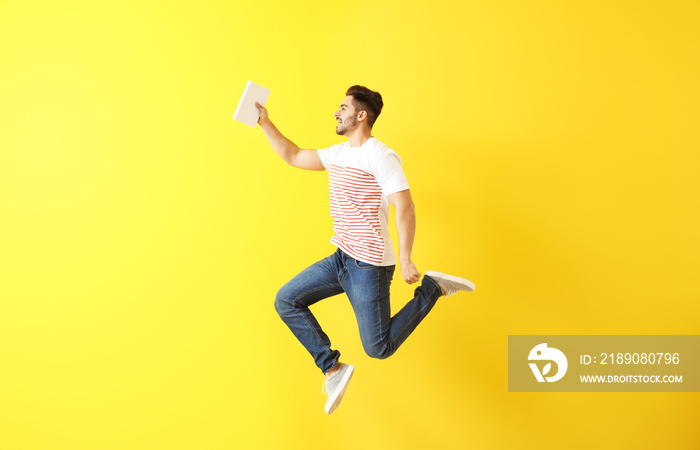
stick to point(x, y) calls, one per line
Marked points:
point(336, 385)
point(450, 283)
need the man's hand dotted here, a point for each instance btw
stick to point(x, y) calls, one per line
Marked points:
point(409, 272)
point(263, 113)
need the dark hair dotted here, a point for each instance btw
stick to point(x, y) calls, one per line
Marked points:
point(365, 99)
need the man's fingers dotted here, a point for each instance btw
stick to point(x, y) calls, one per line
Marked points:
point(262, 111)
point(412, 278)
point(416, 276)
point(410, 273)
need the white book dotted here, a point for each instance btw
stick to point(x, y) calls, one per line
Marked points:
point(246, 111)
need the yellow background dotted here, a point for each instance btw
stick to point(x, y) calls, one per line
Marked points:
point(552, 149)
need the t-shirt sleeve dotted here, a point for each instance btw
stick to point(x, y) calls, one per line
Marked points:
point(390, 175)
point(327, 155)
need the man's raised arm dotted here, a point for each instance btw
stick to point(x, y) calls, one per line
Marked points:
point(288, 150)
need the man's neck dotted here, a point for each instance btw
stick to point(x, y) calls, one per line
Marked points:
point(359, 137)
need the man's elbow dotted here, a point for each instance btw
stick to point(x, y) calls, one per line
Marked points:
point(406, 208)
point(290, 156)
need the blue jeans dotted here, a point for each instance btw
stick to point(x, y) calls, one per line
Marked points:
point(367, 287)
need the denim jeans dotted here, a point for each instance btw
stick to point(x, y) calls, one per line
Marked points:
point(367, 288)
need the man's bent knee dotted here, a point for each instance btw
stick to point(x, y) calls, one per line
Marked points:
point(282, 304)
point(378, 351)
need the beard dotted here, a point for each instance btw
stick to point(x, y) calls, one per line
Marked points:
point(346, 125)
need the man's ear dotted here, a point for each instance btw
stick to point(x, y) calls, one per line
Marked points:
point(362, 115)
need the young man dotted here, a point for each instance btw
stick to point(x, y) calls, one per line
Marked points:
point(364, 177)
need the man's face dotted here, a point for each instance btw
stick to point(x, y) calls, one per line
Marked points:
point(346, 116)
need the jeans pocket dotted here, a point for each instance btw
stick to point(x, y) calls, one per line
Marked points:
point(364, 265)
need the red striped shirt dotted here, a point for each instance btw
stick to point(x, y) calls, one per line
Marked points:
point(355, 201)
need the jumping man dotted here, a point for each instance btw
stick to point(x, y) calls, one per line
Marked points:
point(365, 176)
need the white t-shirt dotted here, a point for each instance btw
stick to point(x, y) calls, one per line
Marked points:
point(359, 180)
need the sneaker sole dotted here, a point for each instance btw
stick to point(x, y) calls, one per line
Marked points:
point(469, 286)
point(345, 381)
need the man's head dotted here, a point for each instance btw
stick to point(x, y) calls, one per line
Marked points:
point(361, 107)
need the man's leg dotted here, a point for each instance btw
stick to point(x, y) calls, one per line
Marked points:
point(319, 281)
point(314, 283)
point(367, 287)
